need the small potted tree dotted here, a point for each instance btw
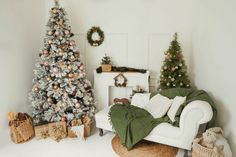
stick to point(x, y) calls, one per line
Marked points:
point(106, 64)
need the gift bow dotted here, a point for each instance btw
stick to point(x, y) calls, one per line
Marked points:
point(57, 129)
point(60, 130)
point(44, 134)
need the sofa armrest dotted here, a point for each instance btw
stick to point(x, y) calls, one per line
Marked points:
point(195, 113)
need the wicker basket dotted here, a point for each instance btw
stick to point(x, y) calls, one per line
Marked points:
point(106, 67)
point(201, 151)
point(21, 130)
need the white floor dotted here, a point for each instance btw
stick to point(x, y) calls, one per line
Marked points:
point(94, 146)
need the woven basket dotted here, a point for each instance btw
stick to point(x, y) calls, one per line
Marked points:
point(201, 151)
point(21, 130)
point(106, 67)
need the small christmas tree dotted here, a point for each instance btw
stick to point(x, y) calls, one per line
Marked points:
point(61, 91)
point(174, 70)
point(106, 60)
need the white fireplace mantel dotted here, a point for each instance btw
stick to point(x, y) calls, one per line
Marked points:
point(103, 81)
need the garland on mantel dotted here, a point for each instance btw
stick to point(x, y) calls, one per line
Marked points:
point(123, 69)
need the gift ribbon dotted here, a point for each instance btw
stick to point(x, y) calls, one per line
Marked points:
point(58, 129)
point(44, 134)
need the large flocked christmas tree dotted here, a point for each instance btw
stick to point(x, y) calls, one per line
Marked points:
point(61, 91)
point(174, 70)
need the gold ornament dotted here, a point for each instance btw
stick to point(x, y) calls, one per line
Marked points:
point(36, 89)
point(46, 63)
point(45, 52)
point(81, 67)
point(49, 41)
point(55, 87)
point(65, 94)
point(72, 57)
point(57, 33)
point(67, 32)
point(49, 100)
point(72, 42)
point(70, 75)
point(60, 53)
point(49, 32)
point(77, 105)
point(63, 119)
point(54, 11)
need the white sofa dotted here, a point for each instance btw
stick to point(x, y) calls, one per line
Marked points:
point(194, 114)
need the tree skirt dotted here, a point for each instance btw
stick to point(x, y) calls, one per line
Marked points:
point(143, 149)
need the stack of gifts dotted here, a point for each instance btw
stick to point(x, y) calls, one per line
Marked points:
point(55, 131)
point(74, 125)
point(77, 128)
point(80, 128)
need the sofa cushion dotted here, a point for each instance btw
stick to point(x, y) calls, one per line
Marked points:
point(140, 99)
point(177, 102)
point(158, 105)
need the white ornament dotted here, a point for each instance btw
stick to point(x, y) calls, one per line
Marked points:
point(55, 70)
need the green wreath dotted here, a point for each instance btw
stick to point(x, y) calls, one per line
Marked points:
point(100, 33)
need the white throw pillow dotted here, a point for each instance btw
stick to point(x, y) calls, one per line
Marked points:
point(158, 106)
point(140, 99)
point(177, 102)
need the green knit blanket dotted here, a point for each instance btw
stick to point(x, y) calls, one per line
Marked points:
point(132, 123)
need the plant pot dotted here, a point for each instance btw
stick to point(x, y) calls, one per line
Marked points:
point(106, 67)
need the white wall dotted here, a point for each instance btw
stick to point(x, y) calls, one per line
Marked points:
point(137, 31)
point(214, 54)
point(22, 24)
